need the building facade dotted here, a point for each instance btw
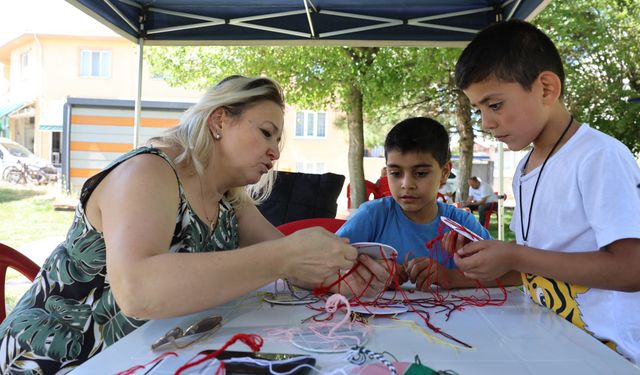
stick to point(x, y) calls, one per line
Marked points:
point(45, 71)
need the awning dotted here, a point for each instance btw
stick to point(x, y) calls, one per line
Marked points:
point(305, 22)
point(51, 117)
point(10, 108)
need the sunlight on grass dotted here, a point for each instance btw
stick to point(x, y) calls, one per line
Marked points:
point(13, 291)
point(493, 227)
point(27, 215)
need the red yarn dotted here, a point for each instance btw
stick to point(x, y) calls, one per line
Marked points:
point(253, 341)
point(445, 302)
point(132, 370)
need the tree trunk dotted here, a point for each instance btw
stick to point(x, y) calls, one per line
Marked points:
point(356, 146)
point(465, 130)
point(362, 58)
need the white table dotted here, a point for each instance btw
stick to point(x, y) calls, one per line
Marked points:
point(519, 337)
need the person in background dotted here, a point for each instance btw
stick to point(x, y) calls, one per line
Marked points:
point(446, 194)
point(480, 197)
point(171, 229)
point(577, 248)
point(383, 183)
point(418, 161)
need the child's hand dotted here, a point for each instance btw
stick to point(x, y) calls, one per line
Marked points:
point(452, 241)
point(486, 260)
point(402, 275)
point(424, 272)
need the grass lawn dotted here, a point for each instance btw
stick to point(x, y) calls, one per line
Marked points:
point(27, 215)
point(493, 227)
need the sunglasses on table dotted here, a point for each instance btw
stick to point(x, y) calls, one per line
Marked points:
point(178, 338)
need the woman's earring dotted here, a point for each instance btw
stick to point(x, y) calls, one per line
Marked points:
point(216, 135)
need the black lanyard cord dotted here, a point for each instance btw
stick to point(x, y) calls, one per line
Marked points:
point(525, 234)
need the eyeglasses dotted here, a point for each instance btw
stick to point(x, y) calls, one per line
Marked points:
point(175, 336)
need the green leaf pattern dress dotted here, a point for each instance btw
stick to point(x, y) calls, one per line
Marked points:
point(69, 314)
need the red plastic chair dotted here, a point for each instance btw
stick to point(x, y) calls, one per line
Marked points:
point(493, 209)
point(330, 224)
point(383, 186)
point(370, 189)
point(9, 257)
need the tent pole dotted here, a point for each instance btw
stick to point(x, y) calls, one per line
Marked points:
point(501, 192)
point(138, 104)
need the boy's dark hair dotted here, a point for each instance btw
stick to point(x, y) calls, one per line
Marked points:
point(419, 134)
point(512, 51)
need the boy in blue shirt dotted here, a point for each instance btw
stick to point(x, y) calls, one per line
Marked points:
point(418, 162)
point(577, 248)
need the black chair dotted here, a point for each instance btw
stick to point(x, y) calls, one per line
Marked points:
point(298, 196)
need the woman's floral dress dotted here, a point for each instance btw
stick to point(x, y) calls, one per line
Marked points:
point(69, 314)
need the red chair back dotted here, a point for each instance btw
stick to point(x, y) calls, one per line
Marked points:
point(493, 208)
point(330, 224)
point(9, 257)
point(369, 189)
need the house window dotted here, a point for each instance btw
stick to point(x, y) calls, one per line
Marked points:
point(24, 62)
point(95, 63)
point(310, 167)
point(311, 124)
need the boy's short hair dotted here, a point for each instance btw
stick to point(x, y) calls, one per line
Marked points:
point(419, 134)
point(512, 51)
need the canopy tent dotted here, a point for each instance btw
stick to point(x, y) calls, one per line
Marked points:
point(427, 23)
point(305, 22)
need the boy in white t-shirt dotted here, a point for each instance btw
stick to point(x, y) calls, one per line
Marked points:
point(578, 249)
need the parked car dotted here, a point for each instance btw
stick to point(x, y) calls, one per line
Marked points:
point(19, 165)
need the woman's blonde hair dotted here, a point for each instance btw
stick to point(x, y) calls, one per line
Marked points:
point(235, 94)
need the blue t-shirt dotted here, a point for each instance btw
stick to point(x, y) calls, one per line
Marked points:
point(382, 220)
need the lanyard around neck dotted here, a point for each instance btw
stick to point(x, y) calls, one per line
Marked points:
point(525, 232)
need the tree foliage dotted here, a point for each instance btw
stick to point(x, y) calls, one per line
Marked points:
point(599, 41)
point(356, 80)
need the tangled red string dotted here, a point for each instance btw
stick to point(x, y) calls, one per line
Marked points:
point(253, 341)
point(134, 369)
point(443, 302)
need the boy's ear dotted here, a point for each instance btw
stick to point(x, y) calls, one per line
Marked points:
point(551, 86)
point(446, 169)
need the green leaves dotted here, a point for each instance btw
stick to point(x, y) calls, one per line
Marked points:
point(55, 331)
point(599, 41)
point(112, 323)
point(79, 262)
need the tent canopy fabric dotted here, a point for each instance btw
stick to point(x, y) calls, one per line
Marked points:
point(305, 22)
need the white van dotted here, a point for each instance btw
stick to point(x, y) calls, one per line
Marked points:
point(12, 154)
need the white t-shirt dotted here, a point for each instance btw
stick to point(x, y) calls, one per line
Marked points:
point(588, 197)
point(445, 190)
point(484, 190)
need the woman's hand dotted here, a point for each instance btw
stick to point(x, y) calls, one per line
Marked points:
point(369, 279)
point(313, 255)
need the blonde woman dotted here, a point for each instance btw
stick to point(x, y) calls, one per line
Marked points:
point(151, 234)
